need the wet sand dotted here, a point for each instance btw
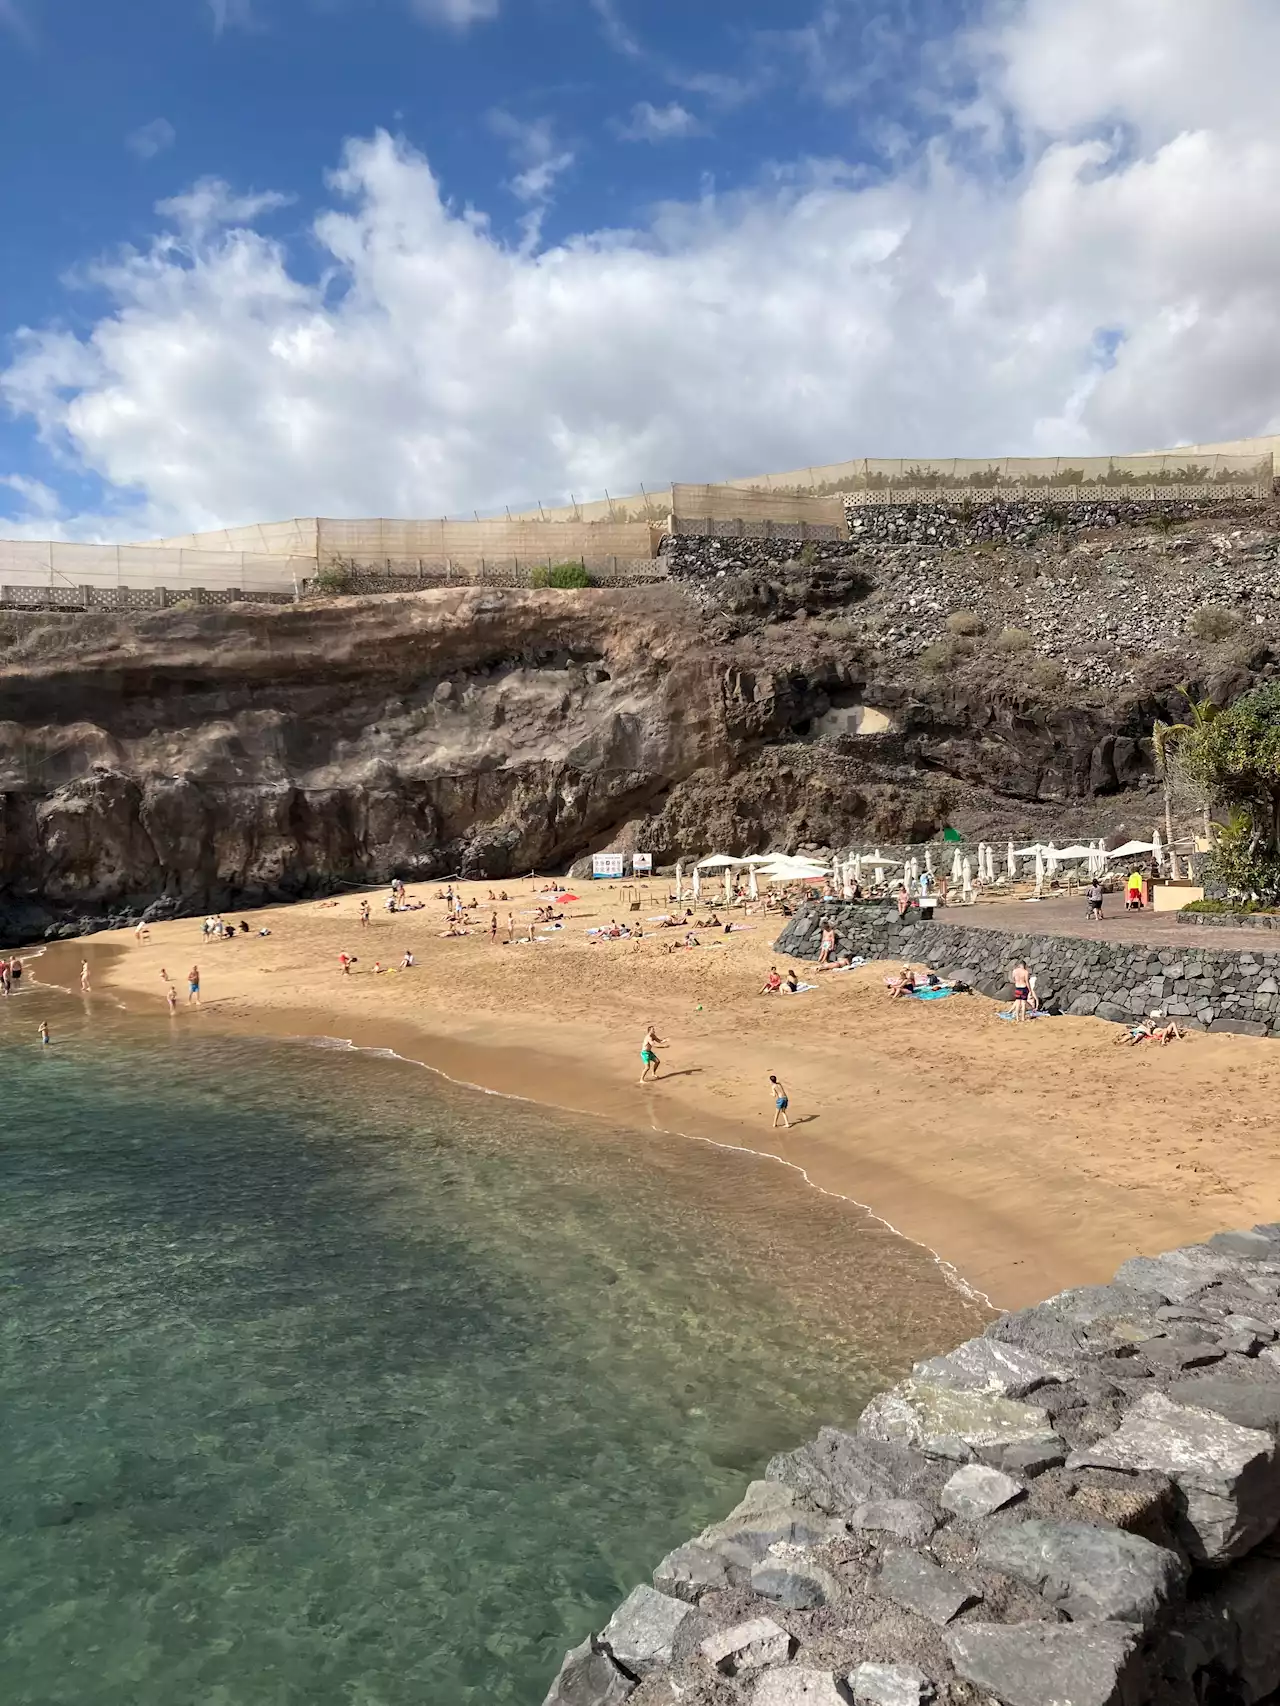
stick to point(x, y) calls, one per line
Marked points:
point(1029, 1158)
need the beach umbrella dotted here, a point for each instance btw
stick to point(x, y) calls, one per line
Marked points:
point(991, 863)
point(1039, 870)
point(754, 883)
point(697, 884)
point(728, 886)
point(857, 867)
point(1051, 859)
point(679, 879)
point(717, 862)
point(1129, 849)
point(915, 870)
point(1157, 851)
point(1173, 866)
point(1011, 862)
point(928, 860)
point(966, 876)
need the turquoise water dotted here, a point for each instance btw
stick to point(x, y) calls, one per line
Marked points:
point(324, 1381)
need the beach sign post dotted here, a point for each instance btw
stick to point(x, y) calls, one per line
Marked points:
point(605, 865)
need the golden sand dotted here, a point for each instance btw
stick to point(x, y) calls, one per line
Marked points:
point(1029, 1157)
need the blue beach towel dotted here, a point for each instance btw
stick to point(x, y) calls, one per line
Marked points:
point(932, 994)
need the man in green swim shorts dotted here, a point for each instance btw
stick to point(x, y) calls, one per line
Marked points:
point(648, 1054)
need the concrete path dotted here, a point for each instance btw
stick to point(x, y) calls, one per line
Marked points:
point(1069, 917)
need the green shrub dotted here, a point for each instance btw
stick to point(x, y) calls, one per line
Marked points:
point(563, 575)
point(332, 580)
point(964, 622)
point(1213, 623)
point(809, 554)
point(1221, 906)
point(1014, 640)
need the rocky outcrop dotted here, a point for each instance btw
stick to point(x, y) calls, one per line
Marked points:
point(215, 757)
point(1079, 1508)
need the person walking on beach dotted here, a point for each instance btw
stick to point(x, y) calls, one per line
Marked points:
point(84, 977)
point(171, 996)
point(511, 926)
point(45, 1038)
point(1095, 900)
point(781, 1102)
point(493, 930)
point(193, 986)
point(364, 914)
point(648, 1054)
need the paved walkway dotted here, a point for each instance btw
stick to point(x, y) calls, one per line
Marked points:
point(1068, 917)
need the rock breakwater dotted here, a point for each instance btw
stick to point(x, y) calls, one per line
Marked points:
point(1078, 1508)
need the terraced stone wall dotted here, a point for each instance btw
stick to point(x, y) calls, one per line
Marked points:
point(1079, 1508)
point(1210, 989)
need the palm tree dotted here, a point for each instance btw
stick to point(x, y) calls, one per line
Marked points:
point(1165, 738)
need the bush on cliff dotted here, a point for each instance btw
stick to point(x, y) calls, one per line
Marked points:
point(1234, 758)
point(1213, 624)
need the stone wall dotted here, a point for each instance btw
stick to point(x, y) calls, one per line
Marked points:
point(1078, 1508)
point(1211, 989)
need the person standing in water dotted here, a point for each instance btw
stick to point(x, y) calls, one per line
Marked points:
point(781, 1102)
point(193, 986)
point(45, 1038)
point(84, 976)
point(648, 1054)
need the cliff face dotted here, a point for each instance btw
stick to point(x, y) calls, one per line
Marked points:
point(218, 757)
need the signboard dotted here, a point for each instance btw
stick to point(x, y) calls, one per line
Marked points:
point(608, 864)
point(642, 864)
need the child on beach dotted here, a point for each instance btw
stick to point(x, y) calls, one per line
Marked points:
point(781, 1102)
point(652, 1042)
point(171, 996)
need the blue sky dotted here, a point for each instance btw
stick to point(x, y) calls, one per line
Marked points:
point(691, 238)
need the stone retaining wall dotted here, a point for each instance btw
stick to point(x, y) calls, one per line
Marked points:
point(1232, 920)
point(1207, 989)
point(1078, 1508)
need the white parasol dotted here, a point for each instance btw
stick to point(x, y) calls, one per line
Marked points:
point(1039, 870)
point(1011, 860)
point(956, 867)
point(679, 879)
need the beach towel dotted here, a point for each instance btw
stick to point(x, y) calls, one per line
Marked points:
point(800, 989)
point(852, 965)
point(931, 994)
point(1032, 1013)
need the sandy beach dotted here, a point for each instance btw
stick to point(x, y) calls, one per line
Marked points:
point(1028, 1158)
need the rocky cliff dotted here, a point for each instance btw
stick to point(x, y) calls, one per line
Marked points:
point(215, 757)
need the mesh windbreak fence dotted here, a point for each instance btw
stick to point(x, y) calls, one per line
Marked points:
point(369, 543)
point(33, 563)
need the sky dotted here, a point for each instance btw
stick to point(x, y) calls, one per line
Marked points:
point(264, 258)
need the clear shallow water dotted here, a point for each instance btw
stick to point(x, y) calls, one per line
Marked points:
point(324, 1381)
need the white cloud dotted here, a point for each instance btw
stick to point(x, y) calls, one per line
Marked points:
point(1113, 288)
point(534, 148)
point(457, 14)
point(230, 14)
point(648, 123)
point(151, 139)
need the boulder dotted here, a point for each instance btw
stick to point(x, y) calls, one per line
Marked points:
point(1031, 1457)
point(649, 1629)
point(839, 1471)
point(950, 1422)
point(690, 1571)
point(767, 1513)
point(1178, 1274)
point(1247, 1403)
point(589, 1677)
point(747, 1647)
point(905, 1519)
point(795, 1583)
point(976, 1491)
point(1255, 1244)
point(1228, 1476)
point(798, 1685)
point(916, 1582)
point(986, 1365)
point(890, 1685)
point(1237, 1631)
point(1047, 1664)
point(1088, 1572)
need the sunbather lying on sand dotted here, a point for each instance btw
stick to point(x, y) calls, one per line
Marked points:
point(1149, 1030)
